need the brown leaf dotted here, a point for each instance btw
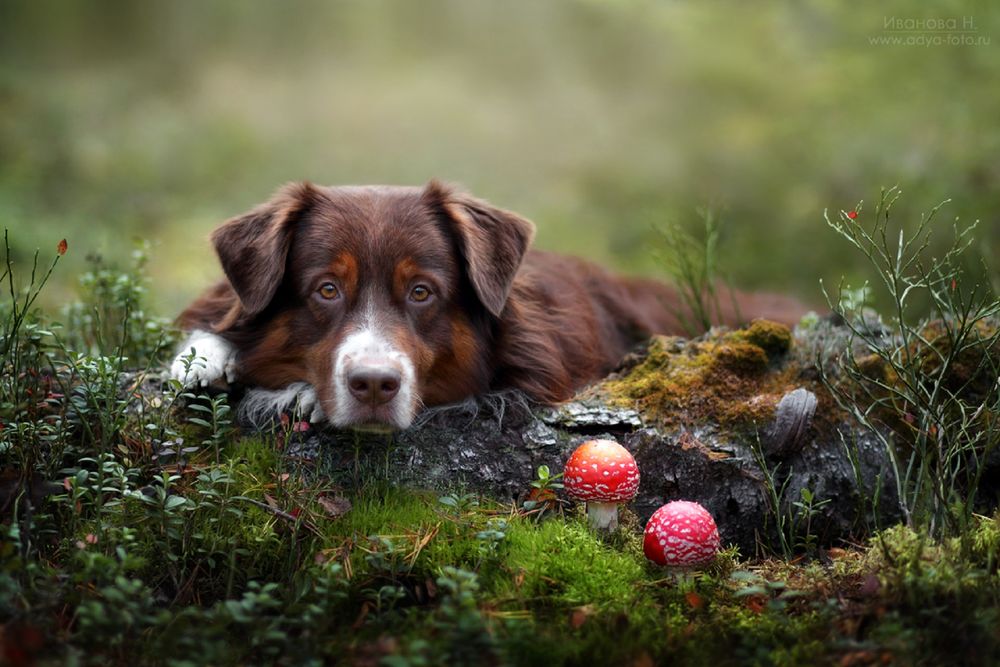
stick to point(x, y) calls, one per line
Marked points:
point(756, 603)
point(271, 502)
point(580, 615)
point(62, 247)
point(870, 586)
point(541, 495)
point(334, 506)
point(644, 660)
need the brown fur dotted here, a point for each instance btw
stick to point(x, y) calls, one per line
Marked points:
point(502, 316)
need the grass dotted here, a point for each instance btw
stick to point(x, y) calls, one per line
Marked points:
point(142, 528)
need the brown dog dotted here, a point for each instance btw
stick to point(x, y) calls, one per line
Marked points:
point(363, 304)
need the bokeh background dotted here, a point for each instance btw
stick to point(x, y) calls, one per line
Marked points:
point(597, 119)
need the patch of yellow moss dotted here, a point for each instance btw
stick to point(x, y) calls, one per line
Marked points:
point(774, 338)
point(732, 378)
point(873, 367)
point(971, 369)
point(740, 358)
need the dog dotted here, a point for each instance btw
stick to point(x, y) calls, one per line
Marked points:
point(363, 304)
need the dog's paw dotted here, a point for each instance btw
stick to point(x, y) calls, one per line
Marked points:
point(261, 405)
point(204, 359)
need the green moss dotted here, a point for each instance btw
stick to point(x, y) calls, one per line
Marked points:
point(725, 378)
point(564, 564)
point(740, 358)
point(873, 367)
point(774, 338)
point(972, 361)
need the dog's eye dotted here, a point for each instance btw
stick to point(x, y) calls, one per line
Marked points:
point(420, 293)
point(328, 291)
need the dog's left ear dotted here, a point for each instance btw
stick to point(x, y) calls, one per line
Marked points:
point(492, 241)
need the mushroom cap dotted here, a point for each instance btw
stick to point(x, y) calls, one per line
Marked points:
point(680, 534)
point(601, 471)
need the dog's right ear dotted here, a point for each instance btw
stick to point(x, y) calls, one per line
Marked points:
point(253, 248)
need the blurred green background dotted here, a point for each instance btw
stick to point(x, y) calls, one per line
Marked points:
point(596, 119)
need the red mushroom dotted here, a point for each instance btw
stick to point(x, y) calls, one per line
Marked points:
point(681, 534)
point(603, 474)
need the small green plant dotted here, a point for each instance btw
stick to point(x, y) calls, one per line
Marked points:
point(793, 518)
point(928, 386)
point(776, 594)
point(692, 265)
point(30, 414)
point(806, 509)
point(543, 498)
point(460, 503)
point(112, 317)
point(464, 633)
point(215, 419)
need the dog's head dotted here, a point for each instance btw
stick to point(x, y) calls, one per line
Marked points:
point(382, 298)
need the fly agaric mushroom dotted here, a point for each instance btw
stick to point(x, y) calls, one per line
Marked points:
point(603, 474)
point(681, 534)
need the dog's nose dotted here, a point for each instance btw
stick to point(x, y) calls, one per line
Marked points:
point(374, 386)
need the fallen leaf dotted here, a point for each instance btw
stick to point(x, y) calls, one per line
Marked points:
point(541, 495)
point(580, 615)
point(756, 603)
point(695, 600)
point(644, 660)
point(334, 506)
point(870, 586)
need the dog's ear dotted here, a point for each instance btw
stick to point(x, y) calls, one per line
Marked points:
point(253, 247)
point(492, 241)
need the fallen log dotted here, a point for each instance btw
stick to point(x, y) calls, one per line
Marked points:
point(735, 420)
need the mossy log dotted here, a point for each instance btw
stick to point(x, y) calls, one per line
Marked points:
point(692, 412)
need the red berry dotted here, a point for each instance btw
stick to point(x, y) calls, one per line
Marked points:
point(852, 215)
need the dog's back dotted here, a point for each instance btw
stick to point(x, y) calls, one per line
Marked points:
point(569, 322)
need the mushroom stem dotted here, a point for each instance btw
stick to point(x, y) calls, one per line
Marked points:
point(602, 516)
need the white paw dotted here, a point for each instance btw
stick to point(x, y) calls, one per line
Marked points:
point(261, 405)
point(214, 359)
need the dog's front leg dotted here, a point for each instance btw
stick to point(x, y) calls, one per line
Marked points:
point(203, 359)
